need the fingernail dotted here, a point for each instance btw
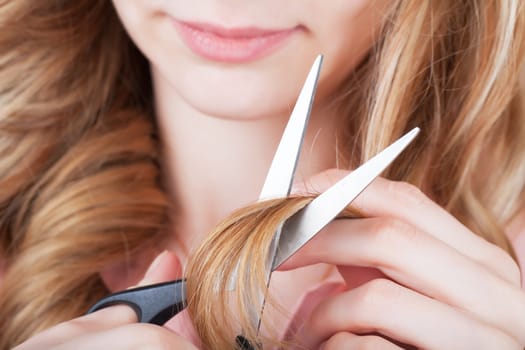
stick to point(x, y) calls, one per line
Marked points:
point(154, 264)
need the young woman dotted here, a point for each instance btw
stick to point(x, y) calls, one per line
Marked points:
point(129, 128)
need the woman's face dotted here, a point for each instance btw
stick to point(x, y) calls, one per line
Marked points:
point(248, 59)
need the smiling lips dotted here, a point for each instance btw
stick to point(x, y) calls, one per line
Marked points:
point(231, 44)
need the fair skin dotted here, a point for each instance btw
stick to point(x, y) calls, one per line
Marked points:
point(423, 279)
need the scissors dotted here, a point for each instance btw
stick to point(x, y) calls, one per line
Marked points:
point(159, 302)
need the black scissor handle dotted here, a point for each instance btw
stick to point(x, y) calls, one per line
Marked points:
point(156, 303)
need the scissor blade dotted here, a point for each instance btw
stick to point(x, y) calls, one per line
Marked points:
point(281, 173)
point(307, 222)
point(279, 179)
point(280, 176)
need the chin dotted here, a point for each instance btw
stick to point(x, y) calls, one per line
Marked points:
point(235, 111)
point(238, 92)
point(252, 103)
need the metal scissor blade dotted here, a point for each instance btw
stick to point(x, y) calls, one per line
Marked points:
point(307, 222)
point(280, 176)
point(281, 173)
point(279, 179)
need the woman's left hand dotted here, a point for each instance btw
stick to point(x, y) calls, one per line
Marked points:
point(440, 285)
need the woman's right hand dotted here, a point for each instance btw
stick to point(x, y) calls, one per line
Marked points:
point(416, 277)
point(115, 327)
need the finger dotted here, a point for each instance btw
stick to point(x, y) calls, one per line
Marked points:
point(131, 336)
point(402, 201)
point(399, 313)
point(165, 267)
point(89, 324)
point(349, 341)
point(421, 262)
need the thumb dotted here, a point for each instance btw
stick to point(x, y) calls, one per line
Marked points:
point(165, 267)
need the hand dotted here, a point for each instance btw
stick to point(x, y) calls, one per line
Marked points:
point(437, 284)
point(115, 327)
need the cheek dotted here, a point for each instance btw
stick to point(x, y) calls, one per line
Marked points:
point(345, 34)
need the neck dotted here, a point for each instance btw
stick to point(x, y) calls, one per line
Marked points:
point(215, 165)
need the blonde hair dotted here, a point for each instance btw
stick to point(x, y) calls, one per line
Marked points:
point(79, 155)
point(240, 244)
point(79, 173)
